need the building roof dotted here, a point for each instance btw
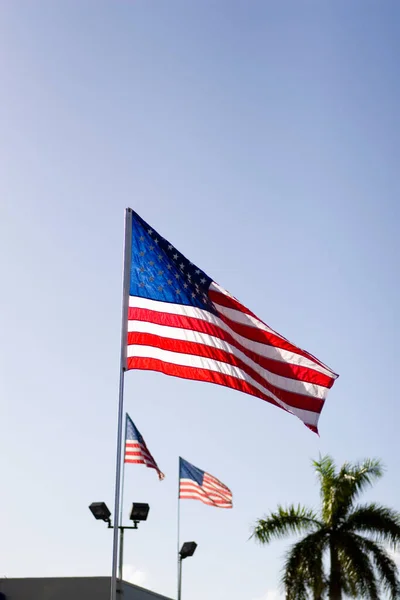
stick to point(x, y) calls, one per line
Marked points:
point(67, 588)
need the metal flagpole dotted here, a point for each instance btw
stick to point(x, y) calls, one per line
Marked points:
point(124, 333)
point(178, 533)
point(121, 512)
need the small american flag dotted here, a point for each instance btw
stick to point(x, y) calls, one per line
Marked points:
point(195, 484)
point(136, 451)
point(182, 323)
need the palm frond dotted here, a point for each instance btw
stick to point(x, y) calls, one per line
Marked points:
point(293, 519)
point(380, 522)
point(363, 473)
point(303, 569)
point(326, 472)
point(339, 490)
point(357, 572)
point(385, 566)
point(352, 479)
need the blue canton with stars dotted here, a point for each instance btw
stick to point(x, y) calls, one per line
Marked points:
point(160, 272)
point(189, 471)
point(131, 431)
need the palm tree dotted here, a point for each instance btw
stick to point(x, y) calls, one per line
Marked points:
point(351, 538)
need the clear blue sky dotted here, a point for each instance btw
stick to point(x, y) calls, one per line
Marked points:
point(262, 139)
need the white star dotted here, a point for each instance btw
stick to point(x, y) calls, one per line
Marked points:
point(151, 247)
point(151, 263)
point(177, 275)
point(141, 284)
point(141, 269)
point(170, 247)
point(202, 280)
point(160, 272)
point(175, 257)
point(185, 285)
point(149, 231)
point(169, 267)
point(178, 291)
point(141, 253)
point(160, 287)
point(160, 257)
point(151, 278)
point(141, 239)
point(156, 241)
point(189, 276)
point(169, 281)
point(197, 271)
point(193, 295)
point(181, 266)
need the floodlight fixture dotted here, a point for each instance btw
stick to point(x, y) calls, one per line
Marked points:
point(187, 550)
point(100, 511)
point(139, 511)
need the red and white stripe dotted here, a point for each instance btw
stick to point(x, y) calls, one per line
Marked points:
point(137, 453)
point(233, 348)
point(211, 492)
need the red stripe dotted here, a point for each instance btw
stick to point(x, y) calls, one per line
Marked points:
point(132, 453)
point(217, 487)
point(152, 364)
point(145, 455)
point(139, 450)
point(292, 399)
point(275, 339)
point(141, 462)
point(269, 339)
point(229, 302)
point(193, 491)
point(146, 459)
point(211, 480)
point(282, 368)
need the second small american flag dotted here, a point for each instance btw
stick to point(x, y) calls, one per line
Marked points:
point(195, 484)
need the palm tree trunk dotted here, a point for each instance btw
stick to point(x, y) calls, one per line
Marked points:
point(335, 581)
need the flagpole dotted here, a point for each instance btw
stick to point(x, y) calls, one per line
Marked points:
point(123, 480)
point(124, 333)
point(178, 533)
point(121, 512)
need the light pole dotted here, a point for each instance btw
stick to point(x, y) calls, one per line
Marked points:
point(139, 512)
point(186, 551)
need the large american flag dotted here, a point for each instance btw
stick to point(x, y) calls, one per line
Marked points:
point(183, 323)
point(195, 484)
point(136, 451)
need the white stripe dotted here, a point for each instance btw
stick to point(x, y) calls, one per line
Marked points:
point(271, 352)
point(214, 484)
point(211, 481)
point(192, 482)
point(218, 491)
point(254, 322)
point(205, 500)
point(191, 488)
point(199, 362)
point(188, 335)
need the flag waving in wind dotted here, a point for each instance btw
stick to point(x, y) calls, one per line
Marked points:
point(136, 450)
point(182, 323)
point(195, 484)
